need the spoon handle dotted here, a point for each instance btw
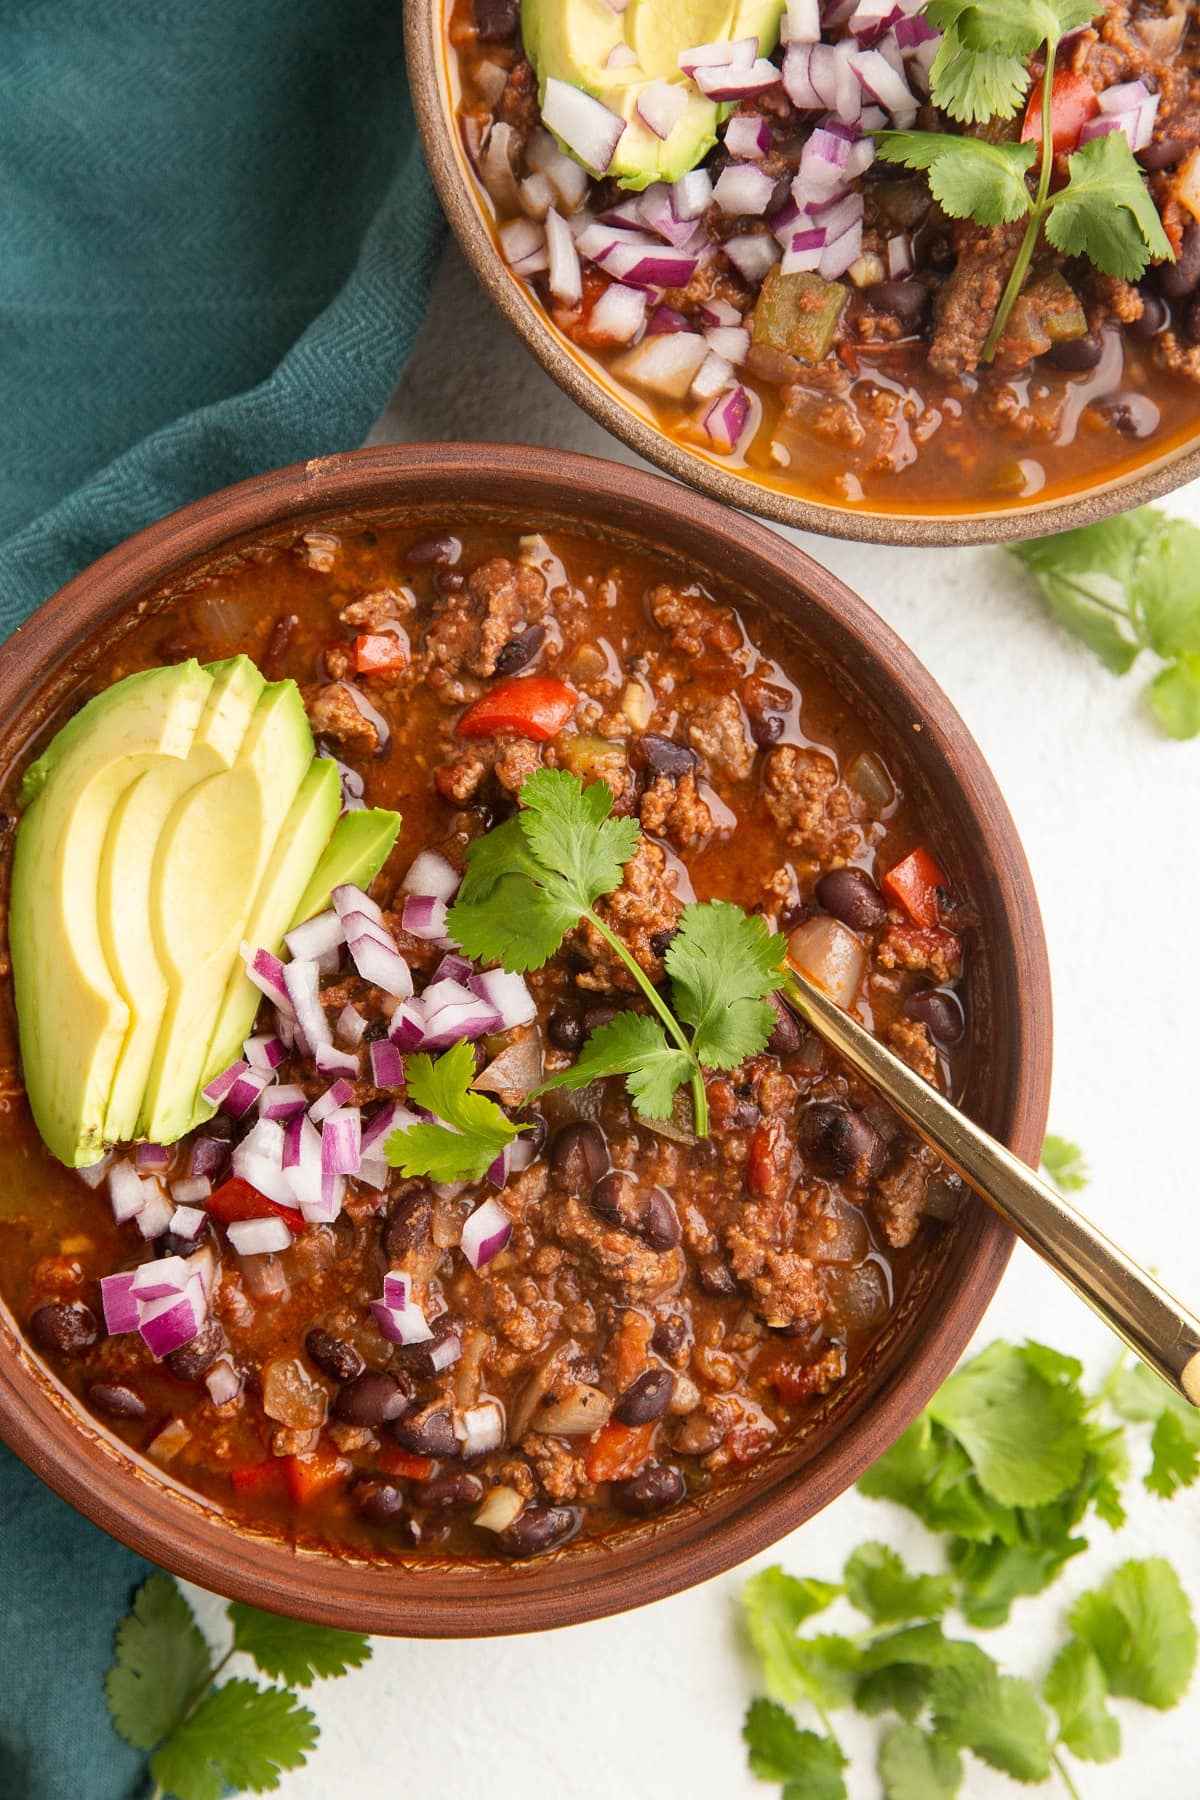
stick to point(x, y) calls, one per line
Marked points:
point(1149, 1319)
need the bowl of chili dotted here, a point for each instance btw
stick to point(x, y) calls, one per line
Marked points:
point(796, 324)
point(458, 1402)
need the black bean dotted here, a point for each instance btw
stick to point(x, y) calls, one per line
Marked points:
point(660, 941)
point(578, 1157)
point(795, 914)
point(940, 1013)
point(422, 1360)
point(520, 651)
point(333, 1355)
point(716, 1278)
point(844, 1142)
point(495, 20)
point(785, 1033)
point(670, 1335)
point(428, 1433)
point(379, 1501)
point(1161, 154)
point(66, 1326)
point(746, 1113)
point(656, 1486)
point(1133, 415)
point(534, 1129)
point(373, 1398)
point(602, 1013)
point(565, 1031)
point(376, 1031)
point(449, 1492)
point(449, 581)
point(408, 1224)
point(851, 896)
point(766, 728)
point(907, 300)
point(1155, 315)
point(427, 551)
point(191, 1361)
point(663, 756)
point(117, 1401)
point(539, 1528)
point(659, 1223)
point(1181, 277)
point(1191, 321)
point(1078, 353)
point(170, 1245)
point(646, 1398)
point(615, 1199)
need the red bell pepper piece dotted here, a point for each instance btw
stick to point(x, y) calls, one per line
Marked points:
point(618, 1451)
point(308, 1477)
point(379, 653)
point(914, 884)
point(405, 1463)
point(528, 706)
point(258, 1478)
point(1073, 102)
point(235, 1199)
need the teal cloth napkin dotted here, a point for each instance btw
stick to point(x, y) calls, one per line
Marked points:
point(216, 242)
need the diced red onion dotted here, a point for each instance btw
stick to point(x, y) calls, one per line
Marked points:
point(119, 1302)
point(302, 979)
point(126, 1191)
point(220, 1085)
point(341, 1141)
point(402, 1325)
point(170, 1323)
point(387, 1064)
point(1133, 108)
point(656, 209)
point(726, 419)
point(495, 155)
point(736, 83)
point(565, 277)
point(154, 1219)
point(209, 1156)
point(350, 1025)
point(589, 129)
point(223, 1382)
point(432, 873)
point(373, 1172)
point(743, 188)
point(245, 1090)
point(397, 1288)
point(264, 1052)
point(259, 1237)
point(424, 917)
point(569, 181)
point(485, 1234)
point(316, 936)
point(266, 972)
point(652, 265)
point(94, 1174)
point(752, 255)
point(597, 241)
point(691, 195)
point(301, 1160)
point(537, 195)
point(523, 243)
point(617, 316)
point(480, 1428)
point(719, 312)
point(726, 53)
point(383, 967)
point(453, 967)
point(348, 899)
point(151, 1157)
point(731, 342)
point(899, 256)
point(712, 377)
point(748, 136)
point(163, 1275)
point(383, 1122)
point(622, 215)
point(361, 925)
point(407, 1028)
point(810, 76)
point(189, 1220)
point(915, 30)
point(621, 56)
point(848, 91)
point(507, 995)
point(840, 253)
point(871, 17)
point(453, 1012)
point(803, 255)
point(502, 1507)
point(880, 80)
point(802, 24)
point(340, 1094)
point(282, 1102)
point(661, 105)
point(258, 1159)
point(332, 1061)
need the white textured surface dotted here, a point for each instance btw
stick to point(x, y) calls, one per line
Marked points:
point(650, 1705)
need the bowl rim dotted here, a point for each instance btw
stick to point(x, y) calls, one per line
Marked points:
point(141, 1505)
point(457, 190)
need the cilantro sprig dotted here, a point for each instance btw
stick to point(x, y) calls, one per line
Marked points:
point(204, 1738)
point(469, 1132)
point(981, 72)
point(1006, 1464)
point(1126, 586)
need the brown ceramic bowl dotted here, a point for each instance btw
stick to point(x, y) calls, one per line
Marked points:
point(434, 86)
point(1008, 1006)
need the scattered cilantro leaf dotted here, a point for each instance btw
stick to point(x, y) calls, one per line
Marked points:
point(974, 86)
point(915, 1765)
point(775, 1606)
point(1175, 697)
point(1167, 584)
point(1139, 1625)
point(827, 1667)
point(1063, 1162)
point(1020, 29)
point(472, 1130)
point(636, 1047)
point(1023, 1431)
point(292, 1650)
point(995, 1716)
point(162, 1663)
point(810, 1766)
point(968, 177)
point(994, 1574)
point(881, 1586)
point(723, 963)
point(1105, 211)
point(240, 1736)
point(569, 831)
point(1075, 1687)
point(1175, 1452)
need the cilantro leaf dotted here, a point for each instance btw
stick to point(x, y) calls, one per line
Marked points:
point(580, 849)
point(880, 1585)
point(1139, 1625)
point(995, 1716)
point(972, 85)
point(723, 963)
point(1023, 1432)
point(913, 1765)
point(900, 1688)
point(826, 1667)
point(1075, 1687)
point(1175, 1453)
point(1105, 211)
point(926, 1471)
point(636, 1047)
point(1020, 30)
point(970, 178)
point(1166, 586)
point(1175, 697)
point(240, 1736)
point(1063, 1162)
point(809, 1765)
point(294, 1651)
point(162, 1663)
point(776, 1605)
point(472, 1130)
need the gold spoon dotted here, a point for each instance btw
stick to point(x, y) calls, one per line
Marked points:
point(1149, 1319)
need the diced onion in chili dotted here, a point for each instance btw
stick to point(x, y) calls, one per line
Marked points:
point(94, 1174)
point(401, 1324)
point(424, 917)
point(480, 1428)
point(209, 1156)
point(651, 265)
point(523, 242)
point(317, 935)
point(188, 1219)
point(588, 128)
point(810, 76)
point(495, 163)
point(743, 188)
point(340, 1094)
point(351, 899)
point(164, 1275)
point(830, 954)
point(667, 364)
point(726, 420)
point(802, 22)
point(564, 174)
point(382, 966)
point(621, 56)
point(733, 83)
point(661, 105)
point(341, 1141)
point(881, 82)
point(126, 1191)
point(302, 979)
point(332, 1061)
point(507, 995)
point(382, 1123)
point(259, 1237)
point(726, 53)
point(616, 317)
point(283, 1102)
point(453, 1012)
point(387, 1064)
point(223, 1382)
point(691, 195)
point(258, 1159)
point(168, 1324)
point(752, 255)
point(485, 1234)
point(119, 1302)
point(153, 1158)
point(566, 276)
point(397, 1288)
point(712, 377)
point(748, 137)
point(656, 209)
point(154, 1219)
point(350, 1025)
point(501, 1509)
point(1129, 107)
point(729, 341)
point(537, 195)
point(264, 1052)
point(407, 1027)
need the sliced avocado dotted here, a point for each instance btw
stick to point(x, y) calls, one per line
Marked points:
point(123, 896)
point(72, 1016)
point(571, 39)
point(658, 30)
point(360, 845)
point(213, 854)
point(642, 157)
point(305, 832)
